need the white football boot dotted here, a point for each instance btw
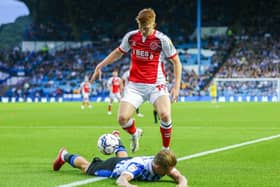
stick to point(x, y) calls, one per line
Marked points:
point(134, 145)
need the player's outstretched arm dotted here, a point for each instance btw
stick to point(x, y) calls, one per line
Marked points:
point(112, 57)
point(124, 179)
point(179, 178)
point(177, 73)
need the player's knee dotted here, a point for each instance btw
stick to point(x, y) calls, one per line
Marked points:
point(84, 167)
point(164, 116)
point(122, 120)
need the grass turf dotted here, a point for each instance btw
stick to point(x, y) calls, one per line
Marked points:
point(32, 133)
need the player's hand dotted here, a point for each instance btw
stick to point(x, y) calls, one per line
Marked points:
point(97, 73)
point(174, 95)
point(178, 185)
point(128, 185)
point(182, 185)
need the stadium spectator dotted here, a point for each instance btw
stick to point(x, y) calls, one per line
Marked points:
point(124, 168)
point(253, 57)
point(147, 81)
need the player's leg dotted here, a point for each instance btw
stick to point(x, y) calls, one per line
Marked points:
point(125, 119)
point(132, 99)
point(110, 105)
point(163, 106)
point(126, 111)
point(155, 116)
point(83, 103)
point(89, 105)
point(104, 168)
point(214, 98)
point(120, 150)
point(87, 101)
point(74, 160)
point(138, 113)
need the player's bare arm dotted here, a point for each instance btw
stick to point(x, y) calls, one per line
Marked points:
point(124, 179)
point(112, 57)
point(179, 178)
point(177, 66)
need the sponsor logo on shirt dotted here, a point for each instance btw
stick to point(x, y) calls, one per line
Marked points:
point(143, 54)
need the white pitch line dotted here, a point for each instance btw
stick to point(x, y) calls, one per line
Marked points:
point(196, 155)
point(56, 127)
point(228, 147)
point(87, 181)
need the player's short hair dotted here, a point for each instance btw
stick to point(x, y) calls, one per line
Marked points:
point(165, 159)
point(146, 16)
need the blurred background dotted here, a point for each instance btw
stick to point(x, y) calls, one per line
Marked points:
point(47, 47)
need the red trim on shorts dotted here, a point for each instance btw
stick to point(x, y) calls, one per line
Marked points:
point(163, 70)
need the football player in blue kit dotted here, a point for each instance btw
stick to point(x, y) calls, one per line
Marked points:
point(125, 168)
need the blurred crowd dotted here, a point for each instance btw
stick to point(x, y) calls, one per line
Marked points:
point(253, 56)
point(61, 72)
point(252, 50)
point(84, 21)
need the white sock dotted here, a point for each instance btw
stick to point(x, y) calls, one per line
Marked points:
point(64, 152)
point(165, 148)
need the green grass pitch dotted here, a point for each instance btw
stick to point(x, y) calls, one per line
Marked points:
point(32, 133)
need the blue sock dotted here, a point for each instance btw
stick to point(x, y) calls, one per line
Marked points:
point(120, 148)
point(70, 158)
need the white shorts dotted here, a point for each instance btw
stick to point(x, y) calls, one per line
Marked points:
point(137, 93)
point(115, 96)
point(85, 96)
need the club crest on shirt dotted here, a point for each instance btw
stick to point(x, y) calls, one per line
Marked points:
point(154, 45)
point(133, 43)
point(132, 168)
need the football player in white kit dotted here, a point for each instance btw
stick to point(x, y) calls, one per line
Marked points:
point(124, 168)
point(149, 47)
point(115, 86)
point(85, 89)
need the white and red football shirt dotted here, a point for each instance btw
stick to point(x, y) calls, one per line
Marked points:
point(115, 84)
point(147, 55)
point(85, 86)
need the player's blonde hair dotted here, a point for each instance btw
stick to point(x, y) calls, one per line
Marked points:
point(165, 159)
point(146, 16)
